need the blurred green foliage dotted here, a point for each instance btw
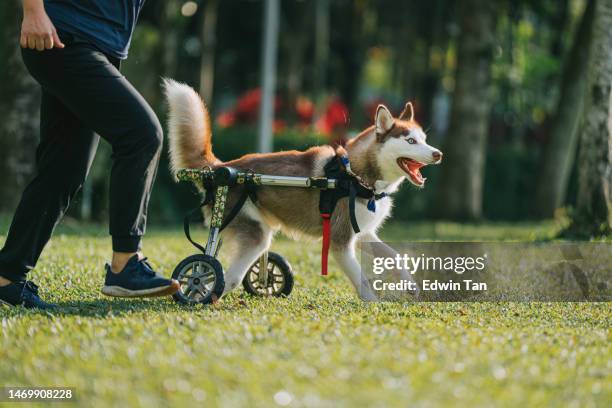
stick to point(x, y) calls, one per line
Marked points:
point(378, 51)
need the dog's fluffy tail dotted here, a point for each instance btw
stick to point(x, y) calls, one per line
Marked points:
point(188, 126)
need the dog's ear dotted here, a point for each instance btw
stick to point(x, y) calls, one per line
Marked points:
point(383, 122)
point(408, 112)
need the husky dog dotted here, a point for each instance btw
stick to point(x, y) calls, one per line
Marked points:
point(383, 155)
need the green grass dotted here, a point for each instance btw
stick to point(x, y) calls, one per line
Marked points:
point(321, 347)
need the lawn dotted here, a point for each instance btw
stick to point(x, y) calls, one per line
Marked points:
point(320, 347)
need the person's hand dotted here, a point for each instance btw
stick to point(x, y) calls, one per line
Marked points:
point(37, 30)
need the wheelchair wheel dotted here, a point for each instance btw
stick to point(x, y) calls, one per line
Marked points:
point(277, 282)
point(201, 279)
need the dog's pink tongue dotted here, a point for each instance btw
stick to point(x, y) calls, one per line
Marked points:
point(414, 170)
point(414, 166)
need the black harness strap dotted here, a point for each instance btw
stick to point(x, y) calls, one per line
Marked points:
point(352, 216)
point(187, 221)
point(347, 185)
point(249, 192)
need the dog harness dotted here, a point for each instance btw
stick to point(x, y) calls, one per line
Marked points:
point(348, 184)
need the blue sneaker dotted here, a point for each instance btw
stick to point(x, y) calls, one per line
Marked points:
point(23, 293)
point(137, 279)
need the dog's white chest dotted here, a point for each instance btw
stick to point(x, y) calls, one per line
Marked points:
point(371, 221)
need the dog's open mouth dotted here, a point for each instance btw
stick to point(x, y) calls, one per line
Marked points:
point(413, 169)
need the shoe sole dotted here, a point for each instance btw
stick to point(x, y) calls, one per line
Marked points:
point(118, 291)
point(50, 307)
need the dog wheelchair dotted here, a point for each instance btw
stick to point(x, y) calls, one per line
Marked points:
point(201, 275)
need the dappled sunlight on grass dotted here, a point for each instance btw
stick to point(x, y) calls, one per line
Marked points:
point(321, 346)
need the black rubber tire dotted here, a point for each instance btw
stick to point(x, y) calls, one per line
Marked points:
point(213, 293)
point(281, 265)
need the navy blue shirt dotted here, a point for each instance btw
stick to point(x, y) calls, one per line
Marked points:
point(107, 24)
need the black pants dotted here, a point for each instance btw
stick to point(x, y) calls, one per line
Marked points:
point(83, 95)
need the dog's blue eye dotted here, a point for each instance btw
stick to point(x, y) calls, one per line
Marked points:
point(411, 140)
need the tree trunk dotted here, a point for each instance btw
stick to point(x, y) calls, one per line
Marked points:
point(321, 45)
point(349, 48)
point(462, 173)
point(559, 22)
point(559, 152)
point(19, 110)
point(170, 37)
point(295, 46)
point(161, 61)
point(207, 66)
point(591, 217)
point(271, 22)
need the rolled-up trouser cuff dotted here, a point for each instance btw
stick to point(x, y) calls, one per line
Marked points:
point(13, 276)
point(130, 243)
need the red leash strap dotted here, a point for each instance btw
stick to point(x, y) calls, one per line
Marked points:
point(326, 236)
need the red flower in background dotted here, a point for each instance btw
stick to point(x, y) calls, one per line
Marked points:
point(226, 119)
point(247, 106)
point(246, 110)
point(335, 119)
point(304, 109)
point(333, 122)
point(278, 125)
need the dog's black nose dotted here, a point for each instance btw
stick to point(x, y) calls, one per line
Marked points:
point(437, 155)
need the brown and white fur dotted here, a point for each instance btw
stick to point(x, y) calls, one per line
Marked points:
point(383, 155)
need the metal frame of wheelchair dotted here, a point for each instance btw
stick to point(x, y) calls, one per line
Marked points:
point(201, 275)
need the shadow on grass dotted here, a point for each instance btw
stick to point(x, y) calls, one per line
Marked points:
point(106, 308)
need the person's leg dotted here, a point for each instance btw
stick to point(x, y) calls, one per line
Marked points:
point(63, 158)
point(92, 87)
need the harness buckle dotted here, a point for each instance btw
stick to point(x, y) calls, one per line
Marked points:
point(318, 182)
